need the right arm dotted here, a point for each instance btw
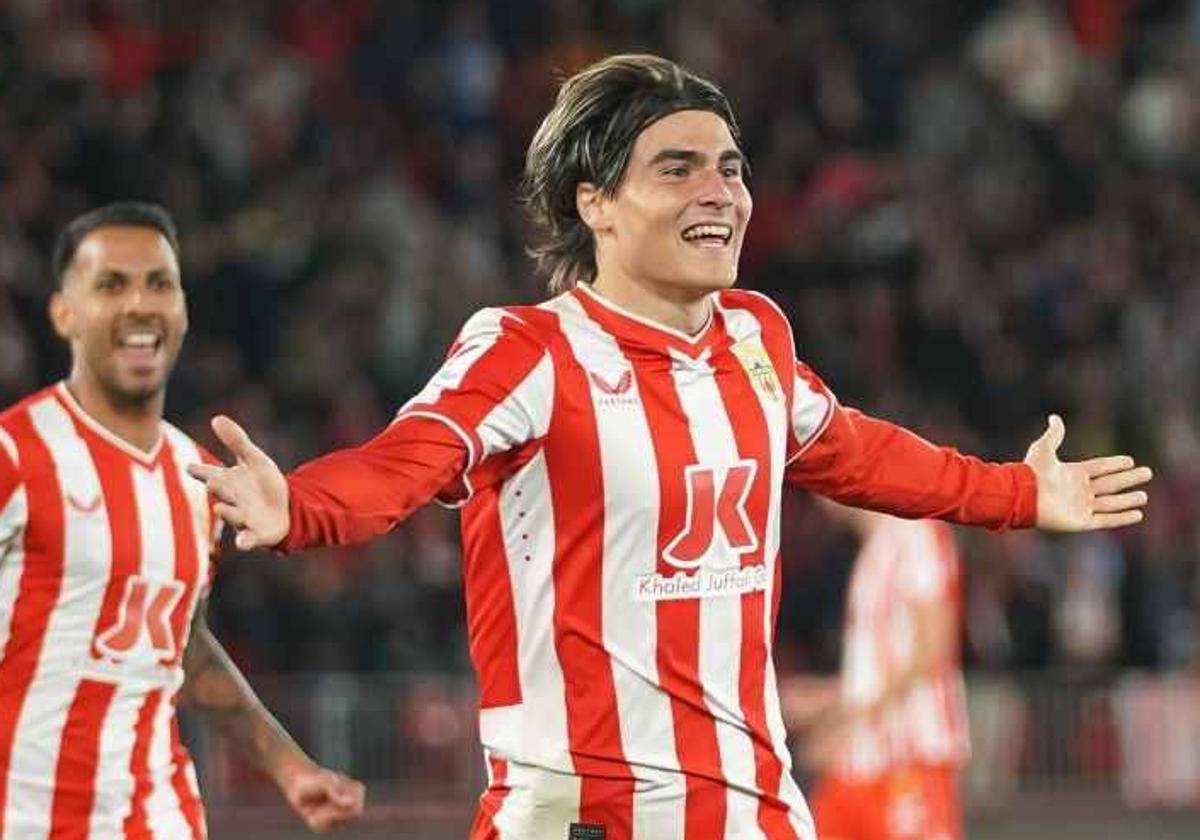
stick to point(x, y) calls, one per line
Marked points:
point(491, 395)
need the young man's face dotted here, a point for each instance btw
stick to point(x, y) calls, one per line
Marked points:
point(122, 310)
point(677, 220)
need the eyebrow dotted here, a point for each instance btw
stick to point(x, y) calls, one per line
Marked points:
point(694, 157)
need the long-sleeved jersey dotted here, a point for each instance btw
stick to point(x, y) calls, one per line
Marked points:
point(620, 485)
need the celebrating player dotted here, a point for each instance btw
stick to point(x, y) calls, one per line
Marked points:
point(619, 453)
point(889, 735)
point(105, 563)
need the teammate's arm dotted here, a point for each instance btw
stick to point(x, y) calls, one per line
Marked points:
point(324, 799)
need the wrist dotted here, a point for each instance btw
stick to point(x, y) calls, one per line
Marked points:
point(290, 765)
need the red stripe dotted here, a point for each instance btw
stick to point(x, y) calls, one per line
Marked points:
point(39, 588)
point(678, 653)
point(78, 761)
point(753, 439)
point(120, 502)
point(189, 800)
point(484, 827)
point(491, 613)
point(10, 478)
point(577, 496)
point(187, 563)
point(136, 825)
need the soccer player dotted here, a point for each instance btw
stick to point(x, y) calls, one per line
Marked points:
point(619, 452)
point(105, 563)
point(889, 735)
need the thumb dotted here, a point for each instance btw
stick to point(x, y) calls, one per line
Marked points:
point(1055, 432)
point(235, 438)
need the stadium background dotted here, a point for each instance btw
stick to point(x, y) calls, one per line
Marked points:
point(974, 212)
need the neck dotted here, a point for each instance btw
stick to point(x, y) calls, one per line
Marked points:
point(685, 310)
point(135, 421)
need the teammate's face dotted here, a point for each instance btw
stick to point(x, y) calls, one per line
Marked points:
point(122, 309)
point(675, 224)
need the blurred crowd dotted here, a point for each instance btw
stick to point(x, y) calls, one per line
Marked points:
point(974, 212)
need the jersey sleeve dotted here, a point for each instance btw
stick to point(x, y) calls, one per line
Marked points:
point(870, 463)
point(492, 394)
point(13, 513)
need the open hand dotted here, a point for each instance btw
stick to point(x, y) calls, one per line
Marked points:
point(252, 495)
point(1084, 495)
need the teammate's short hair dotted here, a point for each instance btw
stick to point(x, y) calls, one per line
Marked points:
point(587, 137)
point(118, 214)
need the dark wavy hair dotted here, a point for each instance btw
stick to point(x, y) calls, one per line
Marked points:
point(587, 138)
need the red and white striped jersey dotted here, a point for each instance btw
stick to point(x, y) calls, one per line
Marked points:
point(621, 488)
point(902, 565)
point(104, 552)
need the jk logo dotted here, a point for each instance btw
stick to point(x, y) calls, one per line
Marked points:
point(143, 623)
point(716, 510)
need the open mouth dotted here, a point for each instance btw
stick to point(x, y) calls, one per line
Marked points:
point(140, 345)
point(708, 235)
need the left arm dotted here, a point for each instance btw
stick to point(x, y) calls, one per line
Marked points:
point(866, 462)
point(323, 798)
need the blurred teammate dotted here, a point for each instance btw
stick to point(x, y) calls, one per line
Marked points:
point(105, 562)
point(890, 734)
point(619, 453)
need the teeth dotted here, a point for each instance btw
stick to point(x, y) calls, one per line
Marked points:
point(699, 231)
point(140, 340)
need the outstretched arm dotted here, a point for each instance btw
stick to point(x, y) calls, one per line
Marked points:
point(344, 497)
point(866, 462)
point(324, 799)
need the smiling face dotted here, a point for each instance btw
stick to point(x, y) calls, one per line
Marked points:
point(675, 225)
point(122, 309)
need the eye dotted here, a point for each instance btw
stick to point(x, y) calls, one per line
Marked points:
point(731, 171)
point(675, 171)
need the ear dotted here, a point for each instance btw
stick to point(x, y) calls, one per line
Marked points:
point(61, 315)
point(592, 206)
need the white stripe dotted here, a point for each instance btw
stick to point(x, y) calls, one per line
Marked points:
point(114, 781)
point(524, 414)
point(10, 447)
point(539, 803)
point(13, 519)
point(741, 324)
point(629, 626)
point(163, 812)
point(185, 453)
point(536, 731)
point(721, 617)
point(481, 331)
point(66, 646)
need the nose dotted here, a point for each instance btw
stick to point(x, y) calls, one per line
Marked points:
point(137, 299)
point(714, 190)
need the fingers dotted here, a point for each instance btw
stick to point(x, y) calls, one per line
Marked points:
point(1119, 481)
point(204, 472)
point(1096, 467)
point(1120, 502)
point(231, 514)
point(1116, 520)
point(248, 540)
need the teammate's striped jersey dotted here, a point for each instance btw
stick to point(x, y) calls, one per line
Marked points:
point(104, 551)
point(902, 565)
point(621, 487)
